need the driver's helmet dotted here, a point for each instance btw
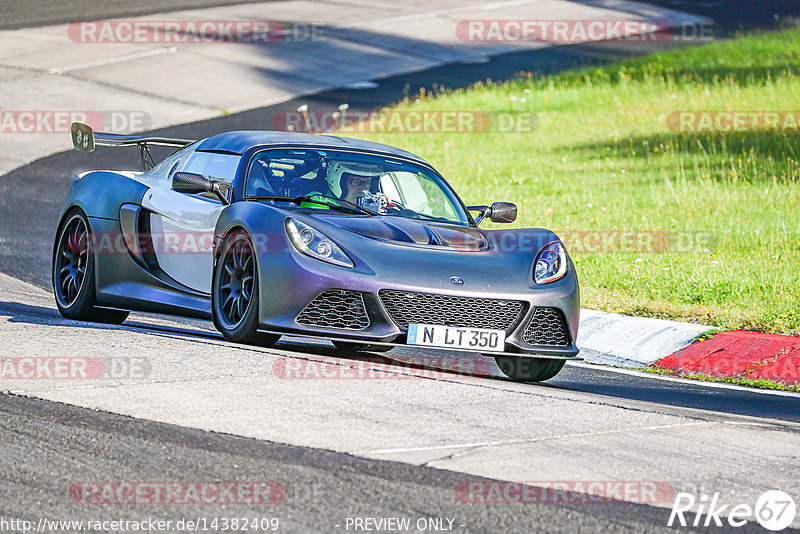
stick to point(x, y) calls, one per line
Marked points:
point(335, 170)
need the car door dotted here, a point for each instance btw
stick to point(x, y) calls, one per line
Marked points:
point(182, 225)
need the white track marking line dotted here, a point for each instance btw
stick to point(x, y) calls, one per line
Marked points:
point(109, 61)
point(534, 440)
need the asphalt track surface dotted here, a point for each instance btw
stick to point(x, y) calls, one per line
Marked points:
point(632, 388)
point(48, 446)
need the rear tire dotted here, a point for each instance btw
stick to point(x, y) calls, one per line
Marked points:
point(352, 346)
point(529, 369)
point(73, 273)
point(235, 294)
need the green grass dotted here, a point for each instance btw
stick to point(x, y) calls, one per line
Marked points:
point(603, 158)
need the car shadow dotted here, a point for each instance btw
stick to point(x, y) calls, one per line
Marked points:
point(403, 362)
point(17, 312)
point(677, 392)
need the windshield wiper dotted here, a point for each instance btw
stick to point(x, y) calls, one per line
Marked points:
point(321, 200)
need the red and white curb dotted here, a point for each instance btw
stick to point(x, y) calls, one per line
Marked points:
point(635, 342)
point(740, 354)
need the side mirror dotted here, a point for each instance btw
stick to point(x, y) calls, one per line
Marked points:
point(192, 184)
point(503, 212)
point(499, 212)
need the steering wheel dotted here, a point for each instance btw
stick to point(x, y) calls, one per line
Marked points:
point(393, 204)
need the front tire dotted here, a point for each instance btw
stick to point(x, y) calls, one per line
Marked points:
point(529, 369)
point(73, 273)
point(235, 294)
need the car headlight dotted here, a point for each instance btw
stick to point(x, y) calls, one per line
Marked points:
point(551, 263)
point(314, 243)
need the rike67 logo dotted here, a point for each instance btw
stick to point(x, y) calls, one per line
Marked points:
point(774, 510)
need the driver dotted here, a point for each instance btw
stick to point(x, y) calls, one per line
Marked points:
point(353, 183)
point(354, 186)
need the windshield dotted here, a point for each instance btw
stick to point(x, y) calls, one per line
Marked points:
point(379, 185)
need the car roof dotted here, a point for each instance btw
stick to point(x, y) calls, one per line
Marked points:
point(240, 141)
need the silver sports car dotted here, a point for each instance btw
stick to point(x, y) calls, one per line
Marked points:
point(274, 234)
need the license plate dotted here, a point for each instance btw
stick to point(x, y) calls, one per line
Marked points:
point(457, 337)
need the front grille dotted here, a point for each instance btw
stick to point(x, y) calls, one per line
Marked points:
point(336, 308)
point(406, 307)
point(547, 327)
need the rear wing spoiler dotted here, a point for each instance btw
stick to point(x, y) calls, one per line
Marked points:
point(84, 139)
